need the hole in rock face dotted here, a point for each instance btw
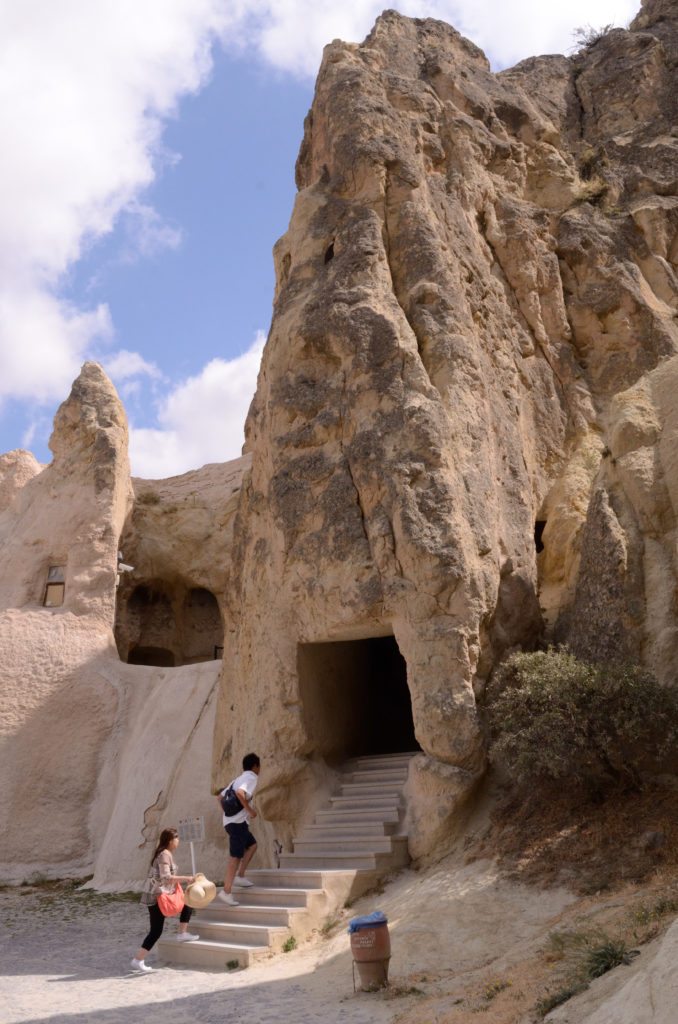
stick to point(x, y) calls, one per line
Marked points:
point(201, 626)
point(165, 619)
point(538, 531)
point(158, 656)
point(355, 698)
point(329, 252)
point(151, 624)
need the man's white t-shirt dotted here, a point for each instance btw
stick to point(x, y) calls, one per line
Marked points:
point(248, 782)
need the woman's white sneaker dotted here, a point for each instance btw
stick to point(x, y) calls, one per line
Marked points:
point(187, 937)
point(140, 965)
point(226, 898)
point(242, 883)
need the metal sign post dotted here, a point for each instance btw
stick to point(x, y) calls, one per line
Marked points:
point(191, 830)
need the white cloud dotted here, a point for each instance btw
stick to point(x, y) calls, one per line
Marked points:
point(201, 420)
point(43, 342)
point(290, 34)
point(123, 364)
point(147, 233)
point(84, 88)
point(509, 32)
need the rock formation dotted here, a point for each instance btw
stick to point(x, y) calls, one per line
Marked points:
point(463, 432)
point(464, 439)
point(96, 754)
point(645, 994)
point(178, 538)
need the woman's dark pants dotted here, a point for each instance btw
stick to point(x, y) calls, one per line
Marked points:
point(158, 923)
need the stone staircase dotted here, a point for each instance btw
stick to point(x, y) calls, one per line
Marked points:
point(352, 843)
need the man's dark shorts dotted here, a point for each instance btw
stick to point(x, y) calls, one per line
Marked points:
point(240, 838)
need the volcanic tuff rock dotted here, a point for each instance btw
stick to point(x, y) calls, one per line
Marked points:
point(645, 993)
point(464, 436)
point(94, 756)
point(55, 714)
point(473, 332)
point(178, 537)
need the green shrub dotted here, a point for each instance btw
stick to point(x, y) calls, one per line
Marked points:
point(555, 717)
point(609, 953)
point(585, 955)
point(289, 944)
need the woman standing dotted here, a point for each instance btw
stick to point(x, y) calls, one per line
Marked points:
point(162, 876)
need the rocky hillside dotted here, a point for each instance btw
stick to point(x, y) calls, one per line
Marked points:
point(464, 432)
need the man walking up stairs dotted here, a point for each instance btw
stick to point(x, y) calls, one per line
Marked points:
point(352, 843)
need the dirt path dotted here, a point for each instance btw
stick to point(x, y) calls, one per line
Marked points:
point(65, 956)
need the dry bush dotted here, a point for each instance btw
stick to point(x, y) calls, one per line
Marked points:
point(555, 718)
point(586, 36)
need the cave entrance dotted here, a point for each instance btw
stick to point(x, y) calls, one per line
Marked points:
point(168, 624)
point(355, 698)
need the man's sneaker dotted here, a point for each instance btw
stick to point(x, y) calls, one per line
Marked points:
point(187, 937)
point(226, 898)
point(140, 965)
point(242, 883)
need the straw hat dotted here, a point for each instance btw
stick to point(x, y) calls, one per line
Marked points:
point(199, 894)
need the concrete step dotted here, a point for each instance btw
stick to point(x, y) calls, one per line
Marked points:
point(379, 761)
point(354, 844)
point(203, 953)
point(233, 934)
point(352, 816)
point(268, 915)
point(269, 896)
point(367, 803)
point(283, 879)
point(332, 861)
point(397, 776)
point(340, 830)
point(366, 789)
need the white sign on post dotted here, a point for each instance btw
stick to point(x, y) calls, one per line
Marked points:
point(192, 830)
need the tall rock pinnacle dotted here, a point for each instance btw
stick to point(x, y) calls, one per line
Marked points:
point(478, 278)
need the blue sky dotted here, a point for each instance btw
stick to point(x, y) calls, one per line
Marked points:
point(229, 194)
point(148, 168)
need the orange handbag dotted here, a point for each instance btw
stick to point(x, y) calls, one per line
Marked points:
point(171, 903)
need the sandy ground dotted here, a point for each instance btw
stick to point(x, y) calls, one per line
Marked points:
point(66, 955)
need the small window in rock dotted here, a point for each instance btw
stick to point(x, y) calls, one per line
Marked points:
point(329, 252)
point(538, 531)
point(56, 586)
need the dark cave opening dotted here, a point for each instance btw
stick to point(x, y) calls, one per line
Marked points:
point(355, 698)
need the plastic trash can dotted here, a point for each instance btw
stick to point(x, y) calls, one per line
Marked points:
point(371, 949)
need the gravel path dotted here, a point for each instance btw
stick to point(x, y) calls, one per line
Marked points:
point(66, 954)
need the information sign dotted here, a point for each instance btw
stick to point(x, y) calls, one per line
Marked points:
point(191, 830)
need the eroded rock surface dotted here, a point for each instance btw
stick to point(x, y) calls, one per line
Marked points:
point(63, 526)
point(644, 994)
point(96, 756)
point(474, 325)
point(178, 538)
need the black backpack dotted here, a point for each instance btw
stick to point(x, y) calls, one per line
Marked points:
point(230, 803)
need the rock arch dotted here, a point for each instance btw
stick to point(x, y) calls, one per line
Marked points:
point(168, 623)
